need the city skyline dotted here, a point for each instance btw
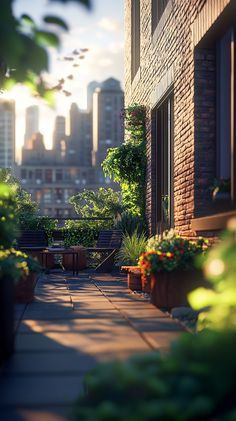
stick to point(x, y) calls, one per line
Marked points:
point(101, 31)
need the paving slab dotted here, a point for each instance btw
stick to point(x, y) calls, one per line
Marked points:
point(74, 323)
point(33, 390)
point(49, 363)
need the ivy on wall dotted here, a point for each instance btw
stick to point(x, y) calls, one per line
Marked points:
point(126, 164)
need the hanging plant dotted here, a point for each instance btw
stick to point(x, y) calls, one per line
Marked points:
point(126, 164)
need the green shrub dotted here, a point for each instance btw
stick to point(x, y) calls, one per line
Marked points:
point(219, 266)
point(130, 223)
point(195, 381)
point(8, 220)
point(132, 247)
point(84, 233)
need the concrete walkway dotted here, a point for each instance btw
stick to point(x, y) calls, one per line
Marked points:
point(74, 323)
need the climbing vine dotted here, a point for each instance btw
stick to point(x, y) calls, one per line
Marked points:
point(126, 164)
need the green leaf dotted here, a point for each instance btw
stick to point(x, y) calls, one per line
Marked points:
point(56, 21)
point(27, 20)
point(46, 38)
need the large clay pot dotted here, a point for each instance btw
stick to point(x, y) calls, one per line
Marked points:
point(24, 289)
point(134, 277)
point(170, 289)
point(6, 318)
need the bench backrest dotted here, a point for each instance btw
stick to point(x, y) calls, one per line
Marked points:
point(33, 238)
point(110, 238)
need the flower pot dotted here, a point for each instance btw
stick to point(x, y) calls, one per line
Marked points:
point(134, 277)
point(24, 289)
point(6, 318)
point(170, 289)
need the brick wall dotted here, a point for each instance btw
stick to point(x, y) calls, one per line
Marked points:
point(169, 57)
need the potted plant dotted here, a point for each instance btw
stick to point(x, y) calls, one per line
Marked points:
point(24, 288)
point(221, 194)
point(127, 257)
point(171, 267)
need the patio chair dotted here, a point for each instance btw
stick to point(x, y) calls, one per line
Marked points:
point(33, 242)
point(108, 243)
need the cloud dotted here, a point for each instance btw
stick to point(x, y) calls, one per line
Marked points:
point(108, 24)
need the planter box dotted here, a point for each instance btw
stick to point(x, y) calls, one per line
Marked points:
point(6, 318)
point(170, 289)
point(134, 277)
point(146, 284)
point(24, 289)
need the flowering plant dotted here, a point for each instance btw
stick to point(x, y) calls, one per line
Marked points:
point(171, 253)
point(134, 116)
point(15, 264)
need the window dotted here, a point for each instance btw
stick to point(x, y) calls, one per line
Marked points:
point(162, 136)
point(135, 37)
point(158, 7)
point(48, 176)
point(224, 100)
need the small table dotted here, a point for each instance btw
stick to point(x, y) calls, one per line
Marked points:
point(52, 251)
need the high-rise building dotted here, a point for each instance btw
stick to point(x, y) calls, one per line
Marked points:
point(91, 88)
point(79, 149)
point(59, 137)
point(108, 130)
point(31, 122)
point(7, 133)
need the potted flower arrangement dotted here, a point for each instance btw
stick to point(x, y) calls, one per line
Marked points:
point(170, 264)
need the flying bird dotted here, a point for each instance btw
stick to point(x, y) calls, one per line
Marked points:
point(66, 93)
point(75, 65)
point(75, 52)
point(84, 50)
point(68, 58)
point(70, 77)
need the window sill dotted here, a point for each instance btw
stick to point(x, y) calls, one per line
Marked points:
point(215, 222)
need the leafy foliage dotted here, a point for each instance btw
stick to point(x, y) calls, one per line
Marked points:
point(25, 209)
point(23, 47)
point(127, 163)
point(195, 380)
point(8, 225)
point(129, 223)
point(131, 248)
point(84, 233)
point(219, 267)
point(103, 203)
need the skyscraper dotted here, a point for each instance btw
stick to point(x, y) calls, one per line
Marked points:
point(80, 139)
point(108, 131)
point(31, 122)
point(91, 88)
point(59, 137)
point(7, 133)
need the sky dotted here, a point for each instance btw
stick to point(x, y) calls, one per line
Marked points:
point(100, 30)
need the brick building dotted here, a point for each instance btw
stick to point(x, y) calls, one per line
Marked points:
point(180, 64)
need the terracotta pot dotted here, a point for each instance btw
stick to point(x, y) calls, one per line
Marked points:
point(67, 260)
point(170, 289)
point(24, 289)
point(146, 284)
point(6, 318)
